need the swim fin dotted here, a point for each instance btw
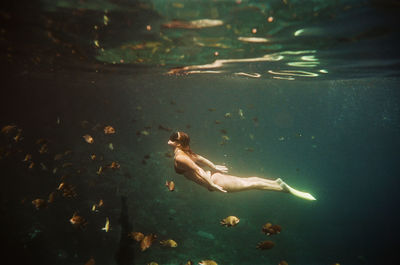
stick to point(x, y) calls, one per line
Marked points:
point(300, 194)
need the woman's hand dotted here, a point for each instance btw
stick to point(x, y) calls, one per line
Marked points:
point(222, 169)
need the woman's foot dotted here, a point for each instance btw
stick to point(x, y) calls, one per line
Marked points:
point(300, 194)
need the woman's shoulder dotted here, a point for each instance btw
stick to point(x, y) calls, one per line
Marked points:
point(181, 157)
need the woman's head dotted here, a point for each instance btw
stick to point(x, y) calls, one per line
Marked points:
point(180, 139)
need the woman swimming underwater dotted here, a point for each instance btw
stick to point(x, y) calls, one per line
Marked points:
point(190, 164)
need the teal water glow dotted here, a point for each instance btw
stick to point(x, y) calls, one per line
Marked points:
point(302, 90)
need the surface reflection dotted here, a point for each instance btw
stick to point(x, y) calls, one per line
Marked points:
point(297, 59)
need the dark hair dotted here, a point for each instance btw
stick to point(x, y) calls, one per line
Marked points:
point(183, 139)
point(174, 137)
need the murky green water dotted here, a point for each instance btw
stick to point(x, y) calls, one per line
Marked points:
point(305, 91)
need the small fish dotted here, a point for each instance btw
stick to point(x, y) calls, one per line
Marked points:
point(97, 205)
point(265, 245)
point(225, 137)
point(144, 133)
point(100, 170)
point(61, 186)
point(109, 130)
point(89, 139)
point(111, 146)
point(107, 225)
point(58, 120)
point(241, 115)
point(147, 241)
point(170, 185)
point(105, 20)
point(230, 221)
point(31, 165)
point(77, 221)
point(92, 156)
point(270, 229)
point(169, 243)
point(39, 203)
point(8, 129)
point(228, 115)
point(18, 137)
point(43, 149)
point(136, 236)
point(67, 189)
point(27, 158)
point(55, 170)
point(114, 165)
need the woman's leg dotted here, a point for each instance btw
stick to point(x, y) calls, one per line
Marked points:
point(233, 184)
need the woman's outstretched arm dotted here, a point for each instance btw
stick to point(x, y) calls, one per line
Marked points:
point(203, 161)
point(199, 172)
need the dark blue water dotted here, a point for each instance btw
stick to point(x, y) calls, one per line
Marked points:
point(318, 95)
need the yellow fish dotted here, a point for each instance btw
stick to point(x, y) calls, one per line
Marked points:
point(107, 225)
point(109, 130)
point(230, 221)
point(170, 185)
point(88, 138)
point(169, 243)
